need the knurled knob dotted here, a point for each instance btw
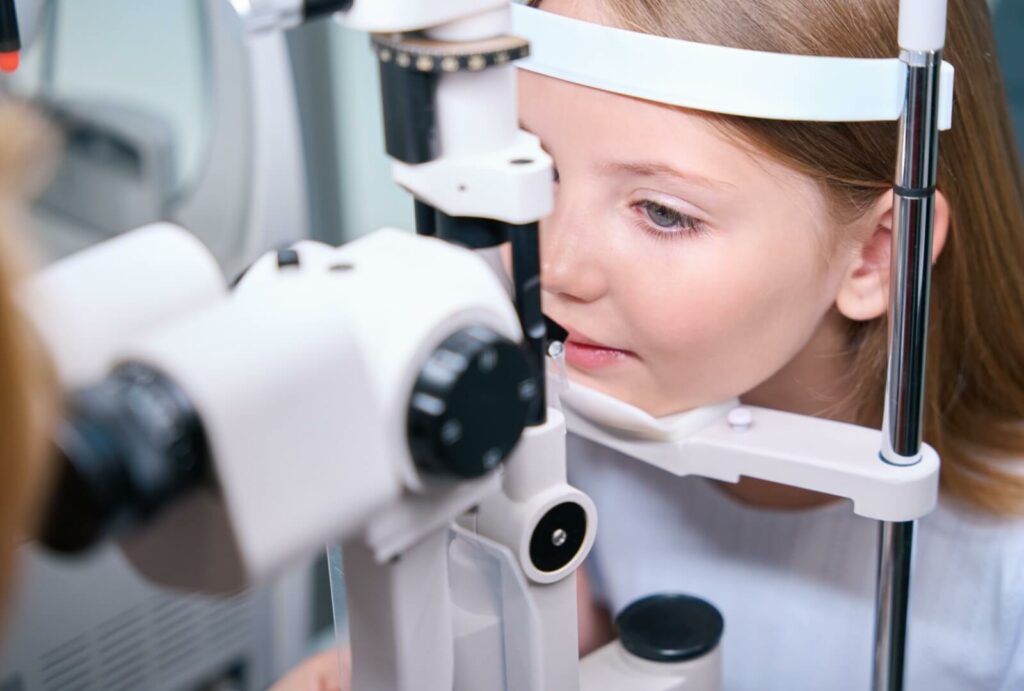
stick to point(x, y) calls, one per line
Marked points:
point(470, 403)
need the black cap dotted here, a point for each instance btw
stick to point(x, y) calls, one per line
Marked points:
point(670, 628)
point(312, 9)
point(10, 39)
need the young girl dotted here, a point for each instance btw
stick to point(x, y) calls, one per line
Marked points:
point(696, 257)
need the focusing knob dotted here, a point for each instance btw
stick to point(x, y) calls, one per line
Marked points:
point(470, 403)
point(670, 628)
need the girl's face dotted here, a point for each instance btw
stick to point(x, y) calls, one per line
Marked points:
point(687, 269)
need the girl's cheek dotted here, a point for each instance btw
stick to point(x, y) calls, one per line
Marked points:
point(701, 317)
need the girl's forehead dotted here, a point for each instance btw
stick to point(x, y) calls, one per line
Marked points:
point(596, 11)
point(555, 101)
point(599, 124)
point(620, 138)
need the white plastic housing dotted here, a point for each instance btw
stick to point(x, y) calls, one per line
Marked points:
point(477, 112)
point(302, 380)
point(402, 297)
point(498, 637)
point(510, 518)
point(86, 307)
point(511, 185)
point(719, 79)
point(534, 483)
point(811, 453)
point(387, 16)
point(484, 25)
point(922, 24)
point(400, 617)
point(487, 167)
point(268, 15)
point(613, 668)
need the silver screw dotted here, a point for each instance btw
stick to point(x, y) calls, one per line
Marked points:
point(559, 537)
point(556, 349)
point(451, 432)
point(740, 419)
point(492, 458)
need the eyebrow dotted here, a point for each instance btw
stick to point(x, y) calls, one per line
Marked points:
point(654, 169)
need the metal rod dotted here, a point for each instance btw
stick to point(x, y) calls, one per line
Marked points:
point(525, 242)
point(913, 221)
point(913, 218)
point(895, 547)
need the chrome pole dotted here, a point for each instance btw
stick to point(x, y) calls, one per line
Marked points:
point(913, 218)
point(893, 600)
point(913, 221)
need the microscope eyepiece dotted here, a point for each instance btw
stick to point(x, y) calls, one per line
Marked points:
point(127, 447)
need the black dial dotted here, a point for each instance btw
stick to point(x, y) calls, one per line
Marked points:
point(470, 403)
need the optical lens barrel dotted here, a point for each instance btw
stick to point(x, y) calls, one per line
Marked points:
point(127, 447)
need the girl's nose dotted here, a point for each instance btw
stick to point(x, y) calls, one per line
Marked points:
point(571, 265)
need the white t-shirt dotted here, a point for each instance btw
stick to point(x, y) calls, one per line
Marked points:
point(797, 589)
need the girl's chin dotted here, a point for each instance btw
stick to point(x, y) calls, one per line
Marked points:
point(626, 387)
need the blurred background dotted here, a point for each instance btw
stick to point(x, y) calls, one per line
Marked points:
point(169, 115)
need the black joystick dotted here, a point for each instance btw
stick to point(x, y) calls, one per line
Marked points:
point(470, 404)
point(670, 628)
point(127, 447)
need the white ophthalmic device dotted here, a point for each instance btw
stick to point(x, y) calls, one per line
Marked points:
point(389, 395)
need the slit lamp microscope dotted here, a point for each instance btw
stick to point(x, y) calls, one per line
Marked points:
point(221, 432)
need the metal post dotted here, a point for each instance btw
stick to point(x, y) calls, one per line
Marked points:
point(893, 596)
point(913, 220)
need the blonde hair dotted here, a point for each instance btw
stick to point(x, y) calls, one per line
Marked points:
point(25, 143)
point(975, 381)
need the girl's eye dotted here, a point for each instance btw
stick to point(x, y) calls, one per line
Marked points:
point(662, 220)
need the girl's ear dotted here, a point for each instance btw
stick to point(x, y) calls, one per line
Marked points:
point(864, 292)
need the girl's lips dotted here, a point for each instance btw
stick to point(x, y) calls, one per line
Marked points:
point(583, 353)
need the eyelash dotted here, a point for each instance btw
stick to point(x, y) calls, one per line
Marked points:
point(689, 227)
point(685, 226)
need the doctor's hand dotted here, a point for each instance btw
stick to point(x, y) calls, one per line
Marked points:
point(330, 670)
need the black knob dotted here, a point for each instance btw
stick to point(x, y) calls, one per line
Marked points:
point(670, 628)
point(127, 447)
point(311, 9)
point(558, 537)
point(288, 257)
point(470, 403)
